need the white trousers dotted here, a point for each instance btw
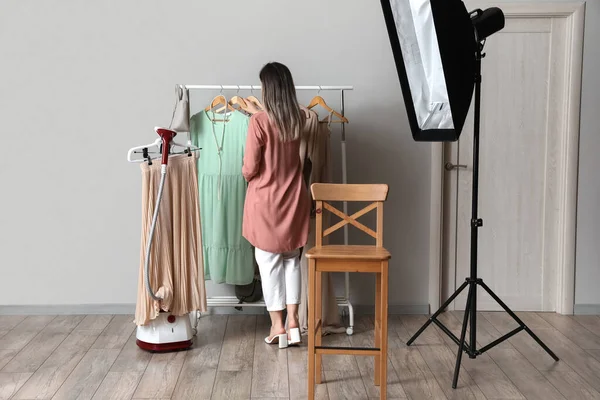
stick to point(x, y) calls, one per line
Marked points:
point(281, 278)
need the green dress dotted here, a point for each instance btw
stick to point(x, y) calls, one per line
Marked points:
point(228, 256)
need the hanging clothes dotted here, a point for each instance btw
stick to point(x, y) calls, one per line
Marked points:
point(228, 256)
point(175, 266)
point(315, 151)
point(316, 148)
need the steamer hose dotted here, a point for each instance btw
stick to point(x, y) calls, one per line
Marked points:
point(163, 174)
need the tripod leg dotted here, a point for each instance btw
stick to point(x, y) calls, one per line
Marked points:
point(438, 312)
point(463, 333)
point(539, 341)
point(521, 323)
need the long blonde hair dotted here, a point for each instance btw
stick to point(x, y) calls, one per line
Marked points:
point(280, 102)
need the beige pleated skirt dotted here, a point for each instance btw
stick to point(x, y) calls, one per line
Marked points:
point(176, 265)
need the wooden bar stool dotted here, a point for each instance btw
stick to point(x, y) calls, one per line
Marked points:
point(335, 258)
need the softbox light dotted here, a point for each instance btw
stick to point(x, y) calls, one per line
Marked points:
point(438, 47)
point(434, 46)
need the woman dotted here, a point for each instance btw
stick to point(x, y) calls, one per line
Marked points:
point(277, 206)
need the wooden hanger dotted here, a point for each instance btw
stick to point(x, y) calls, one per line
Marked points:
point(319, 101)
point(220, 99)
point(255, 101)
point(239, 101)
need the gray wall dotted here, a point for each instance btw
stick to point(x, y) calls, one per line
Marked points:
point(82, 82)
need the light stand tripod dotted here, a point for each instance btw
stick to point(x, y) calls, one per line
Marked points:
point(472, 281)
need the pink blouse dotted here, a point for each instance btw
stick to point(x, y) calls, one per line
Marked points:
point(277, 207)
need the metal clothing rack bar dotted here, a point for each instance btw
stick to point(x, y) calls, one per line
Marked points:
point(342, 301)
point(258, 87)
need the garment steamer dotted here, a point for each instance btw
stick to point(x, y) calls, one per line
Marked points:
point(166, 332)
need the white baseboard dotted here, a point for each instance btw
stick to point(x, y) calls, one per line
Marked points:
point(587, 309)
point(116, 309)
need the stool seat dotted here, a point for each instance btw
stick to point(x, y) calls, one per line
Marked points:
point(367, 253)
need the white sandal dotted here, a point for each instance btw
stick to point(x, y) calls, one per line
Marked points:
point(281, 339)
point(295, 337)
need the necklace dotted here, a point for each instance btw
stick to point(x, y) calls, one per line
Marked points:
point(219, 153)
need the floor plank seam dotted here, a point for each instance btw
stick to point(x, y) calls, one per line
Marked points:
point(356, 365)
point(254, 355)
point(212, 390)
point(113, 363)
point(178, 376)
point(26, 344)
point(570, 365)
point(359, 374)
point(407, 328)
point(573, 370)
point(180, 371)
point(72, 330)
point(434, 375)
point(82, 358)
point(141, 377)
point(42, 363)
point(522, 355)
point(393, 366)
point(584, 327)
point(495, 363)
point(287, 365)
point(537, 369)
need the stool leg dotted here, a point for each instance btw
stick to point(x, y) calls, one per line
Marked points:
point(319, 317)
point(384, 331)
point(311, 330)
point(377, 325)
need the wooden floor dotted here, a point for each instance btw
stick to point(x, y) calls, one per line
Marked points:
point(95, 357)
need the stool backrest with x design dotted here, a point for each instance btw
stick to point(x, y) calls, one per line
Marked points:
point(324, 193)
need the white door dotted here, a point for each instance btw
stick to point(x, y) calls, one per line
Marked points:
point(523, 130)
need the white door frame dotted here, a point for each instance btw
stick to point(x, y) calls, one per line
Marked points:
point(574, 12)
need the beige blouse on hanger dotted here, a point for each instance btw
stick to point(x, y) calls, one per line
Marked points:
point(316, 148)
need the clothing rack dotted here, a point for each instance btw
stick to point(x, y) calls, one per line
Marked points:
point(342, 301)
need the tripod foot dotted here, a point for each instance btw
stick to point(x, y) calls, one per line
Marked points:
point(542, 344)
point(518, 320)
